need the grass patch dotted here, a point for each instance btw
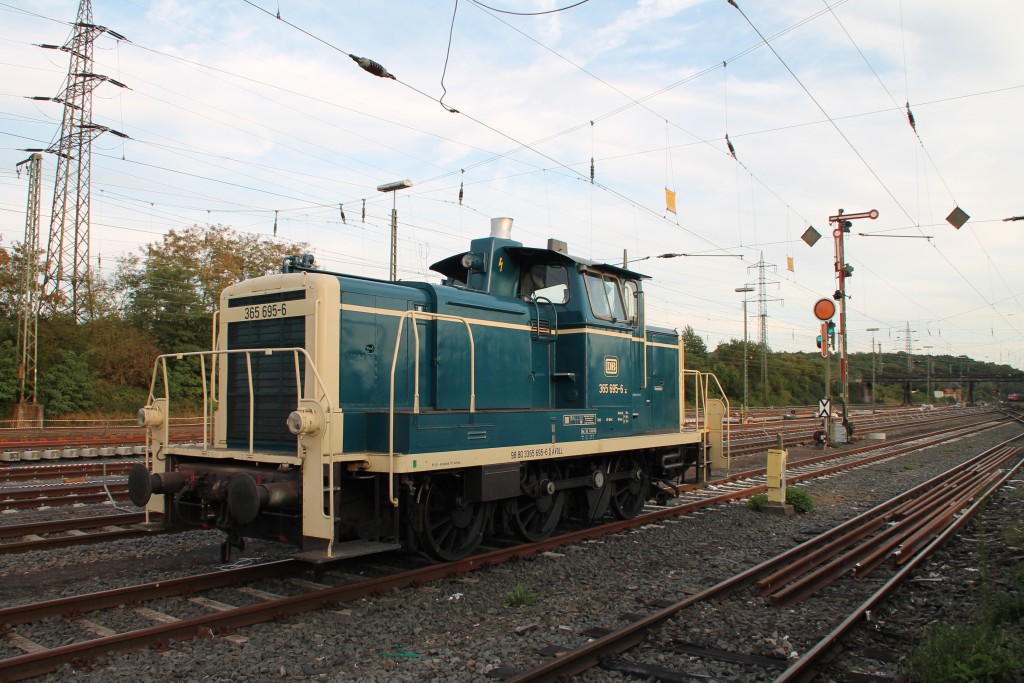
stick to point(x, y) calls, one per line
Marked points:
point(964, 653)
point(520, 596)
point(989, 650)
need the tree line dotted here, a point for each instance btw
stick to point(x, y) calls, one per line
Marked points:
point(158, 300)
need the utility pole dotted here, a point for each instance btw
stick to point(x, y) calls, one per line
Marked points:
point(67, 284)
point(928, 369)
point(744, 290)
point(872, 330)
point(28, 311)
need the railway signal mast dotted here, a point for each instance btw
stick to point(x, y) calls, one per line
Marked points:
point(843, 223)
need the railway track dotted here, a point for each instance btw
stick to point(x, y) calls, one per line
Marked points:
point(65, 471)
point(21, 538)
point(903, 531)
point(222, 614)
point(71, 493)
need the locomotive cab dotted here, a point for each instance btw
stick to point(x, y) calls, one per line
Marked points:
point(348, 415)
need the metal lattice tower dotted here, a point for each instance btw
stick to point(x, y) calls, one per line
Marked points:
point(908, 346)
point(762, 321)
point(67, 281)
point(28, 309)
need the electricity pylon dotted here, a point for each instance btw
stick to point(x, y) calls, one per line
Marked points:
point(67, 283)
point(28, 310)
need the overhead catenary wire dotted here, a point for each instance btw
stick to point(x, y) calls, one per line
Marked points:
point(332, 201)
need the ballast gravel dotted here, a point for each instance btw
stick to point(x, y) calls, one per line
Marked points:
point(461, 629)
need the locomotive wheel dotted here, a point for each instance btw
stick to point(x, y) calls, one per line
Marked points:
point(590, 503)
point(534, 517)
point(631, 484)
point(452, 526)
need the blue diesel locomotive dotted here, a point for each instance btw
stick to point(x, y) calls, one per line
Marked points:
point(349, 415)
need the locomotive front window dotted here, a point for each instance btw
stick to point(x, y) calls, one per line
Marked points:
point(605, 296)
point(546, 282)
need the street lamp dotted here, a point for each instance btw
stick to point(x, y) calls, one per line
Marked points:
point(744, 290)
point(393, 188)
point(872, 330)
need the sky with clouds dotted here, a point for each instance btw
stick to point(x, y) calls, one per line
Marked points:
point(237, 117)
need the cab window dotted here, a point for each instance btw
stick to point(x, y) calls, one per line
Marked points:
point(546, 282)
point(605, 296)
point(632, 300)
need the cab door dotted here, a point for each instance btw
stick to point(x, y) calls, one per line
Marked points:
point(614, 376)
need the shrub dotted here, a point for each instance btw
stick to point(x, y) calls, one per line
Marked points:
point(799, 499)
point(757, 501)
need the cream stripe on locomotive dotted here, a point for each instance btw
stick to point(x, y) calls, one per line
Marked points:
point(355, 308)
point(420, 462)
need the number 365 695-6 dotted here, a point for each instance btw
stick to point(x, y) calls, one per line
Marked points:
point(265, 311)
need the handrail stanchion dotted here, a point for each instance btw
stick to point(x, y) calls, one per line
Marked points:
point(202, 372)
point(252, 400)
point(416, 365)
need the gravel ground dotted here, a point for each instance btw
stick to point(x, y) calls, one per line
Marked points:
point(461, 629)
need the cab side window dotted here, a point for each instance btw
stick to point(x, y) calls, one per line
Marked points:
point(546, 282)
point(605, 295)
point(632, 300)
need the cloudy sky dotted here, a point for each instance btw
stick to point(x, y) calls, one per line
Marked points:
point(239, 118)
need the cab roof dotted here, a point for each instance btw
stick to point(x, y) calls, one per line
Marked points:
point(452, 266)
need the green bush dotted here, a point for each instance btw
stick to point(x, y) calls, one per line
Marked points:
point(799, 499)
point(757, 501)
point(69, 385)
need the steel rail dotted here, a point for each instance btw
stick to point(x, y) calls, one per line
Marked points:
point(63, 471)
point(33, 664)
point(592, 654)
point(93, 494)
point(58, 526)
point(880, 547)
point(799, 669)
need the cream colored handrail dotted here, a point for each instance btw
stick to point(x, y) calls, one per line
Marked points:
point(416, 379)
point(160, 366)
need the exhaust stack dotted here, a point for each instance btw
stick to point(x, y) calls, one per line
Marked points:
point(501, 228)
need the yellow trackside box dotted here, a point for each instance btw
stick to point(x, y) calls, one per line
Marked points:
point(777, 475)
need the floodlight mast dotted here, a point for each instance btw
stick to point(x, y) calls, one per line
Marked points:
point(393, 188)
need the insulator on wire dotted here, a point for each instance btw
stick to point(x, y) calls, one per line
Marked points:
point(341, 210)
point(910, 117)
point(372, 67)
